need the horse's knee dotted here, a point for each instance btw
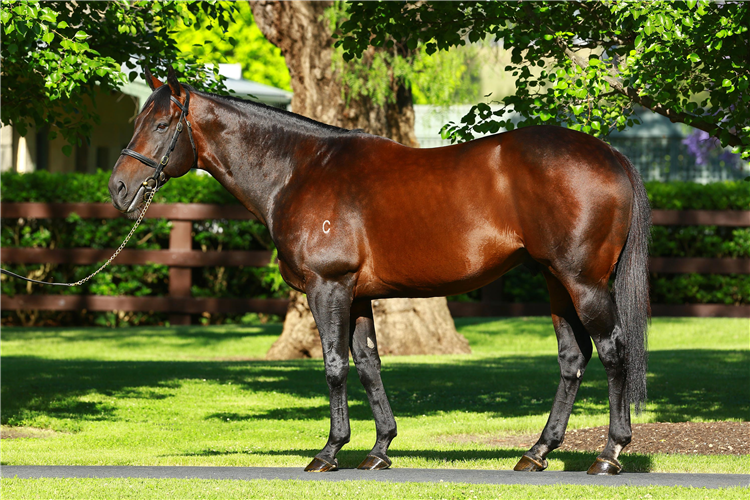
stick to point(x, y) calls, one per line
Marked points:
point(336, 373)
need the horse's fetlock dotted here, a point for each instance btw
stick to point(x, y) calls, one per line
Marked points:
point(388, 434)
point(624, 439)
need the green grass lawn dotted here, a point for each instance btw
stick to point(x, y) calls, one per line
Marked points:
point(204, 396)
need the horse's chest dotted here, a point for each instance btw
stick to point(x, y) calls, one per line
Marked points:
point(293, 277)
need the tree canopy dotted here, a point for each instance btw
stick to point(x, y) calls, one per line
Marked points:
point(586, 65)
point(57, 55)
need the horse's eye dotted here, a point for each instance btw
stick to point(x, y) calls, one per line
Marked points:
point(161, 126)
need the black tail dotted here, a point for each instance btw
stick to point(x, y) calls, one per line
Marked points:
point(631, 288)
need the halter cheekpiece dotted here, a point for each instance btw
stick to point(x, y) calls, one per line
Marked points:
point(159, 177)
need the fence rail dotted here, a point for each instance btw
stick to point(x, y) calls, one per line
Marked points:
point(181, 257)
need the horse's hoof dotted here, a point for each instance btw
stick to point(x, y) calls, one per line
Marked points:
point(372, 462)
point(527, 464)
point(605, 467)
point(320, 465)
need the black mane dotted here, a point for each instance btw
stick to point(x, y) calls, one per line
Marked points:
point(285, 118)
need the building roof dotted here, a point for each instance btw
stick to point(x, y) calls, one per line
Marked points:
point(245, 89)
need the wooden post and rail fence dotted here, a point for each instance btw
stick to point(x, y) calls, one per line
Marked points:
point(181, 258)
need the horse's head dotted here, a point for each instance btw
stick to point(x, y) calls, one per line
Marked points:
point(162, 146)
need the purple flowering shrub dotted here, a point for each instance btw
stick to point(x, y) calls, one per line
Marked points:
point(704, 147)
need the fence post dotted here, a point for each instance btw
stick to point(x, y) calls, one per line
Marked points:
point(180, 278)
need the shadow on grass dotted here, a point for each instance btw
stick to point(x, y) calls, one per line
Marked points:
point(683, 385)
point(349, 459)
point(197, 335)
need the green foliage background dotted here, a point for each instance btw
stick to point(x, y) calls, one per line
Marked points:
point(242, 43)
point(58, 55)
point(520, 285)
point(586, 64)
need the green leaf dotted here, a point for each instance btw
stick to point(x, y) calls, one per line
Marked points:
point(694, 57)
point(48, 15)
point(62, 25)
point(726, 83)
point(67, 150)
point(80, 35)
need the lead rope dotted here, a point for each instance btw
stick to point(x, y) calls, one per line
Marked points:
point(114, 255)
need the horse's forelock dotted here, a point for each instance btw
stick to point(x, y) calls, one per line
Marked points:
point(160, 99)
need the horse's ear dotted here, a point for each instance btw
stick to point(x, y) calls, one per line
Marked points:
point(152, 81)
point(172, 81)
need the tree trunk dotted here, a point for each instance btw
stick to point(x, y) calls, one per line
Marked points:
point(303, 33)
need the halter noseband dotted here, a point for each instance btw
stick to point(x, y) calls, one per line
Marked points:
point(159, 177)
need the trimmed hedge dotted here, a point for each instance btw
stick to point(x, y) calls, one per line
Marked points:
point(139, 280)
point(520, 285)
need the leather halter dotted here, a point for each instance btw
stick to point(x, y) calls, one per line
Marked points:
point(159, 177)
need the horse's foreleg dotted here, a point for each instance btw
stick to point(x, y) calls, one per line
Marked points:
point(330, 303)
point(574, 353)
point(364, 347)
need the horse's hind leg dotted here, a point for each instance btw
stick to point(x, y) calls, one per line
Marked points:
point(597, 310)
point(574, 353)
point(364, 347)
point(330, 303)
point(598, 314)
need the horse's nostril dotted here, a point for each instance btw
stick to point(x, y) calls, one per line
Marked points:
point(122, 190)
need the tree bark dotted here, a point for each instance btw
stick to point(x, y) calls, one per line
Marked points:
point(303, 33)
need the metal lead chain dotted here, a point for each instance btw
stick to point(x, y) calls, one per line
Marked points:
point(127, 238)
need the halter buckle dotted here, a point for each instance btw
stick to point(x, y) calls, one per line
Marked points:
point(165, 159)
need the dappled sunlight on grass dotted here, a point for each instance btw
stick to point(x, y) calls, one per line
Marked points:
point(176, 396)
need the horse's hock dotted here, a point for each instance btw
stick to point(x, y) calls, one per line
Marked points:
point(402, 326)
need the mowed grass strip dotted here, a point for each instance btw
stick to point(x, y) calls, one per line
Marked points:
point(82, 489)
point(204, 396)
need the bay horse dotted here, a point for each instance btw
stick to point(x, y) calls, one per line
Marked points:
point(357, 217)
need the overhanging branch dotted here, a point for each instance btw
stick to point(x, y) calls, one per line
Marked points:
point(647, 102)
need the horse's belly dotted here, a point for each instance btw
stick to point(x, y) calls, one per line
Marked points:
point(440, 261)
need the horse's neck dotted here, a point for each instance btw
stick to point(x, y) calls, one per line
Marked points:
point(254, 159)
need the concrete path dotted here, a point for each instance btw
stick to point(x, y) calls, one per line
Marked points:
point(393, 475)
